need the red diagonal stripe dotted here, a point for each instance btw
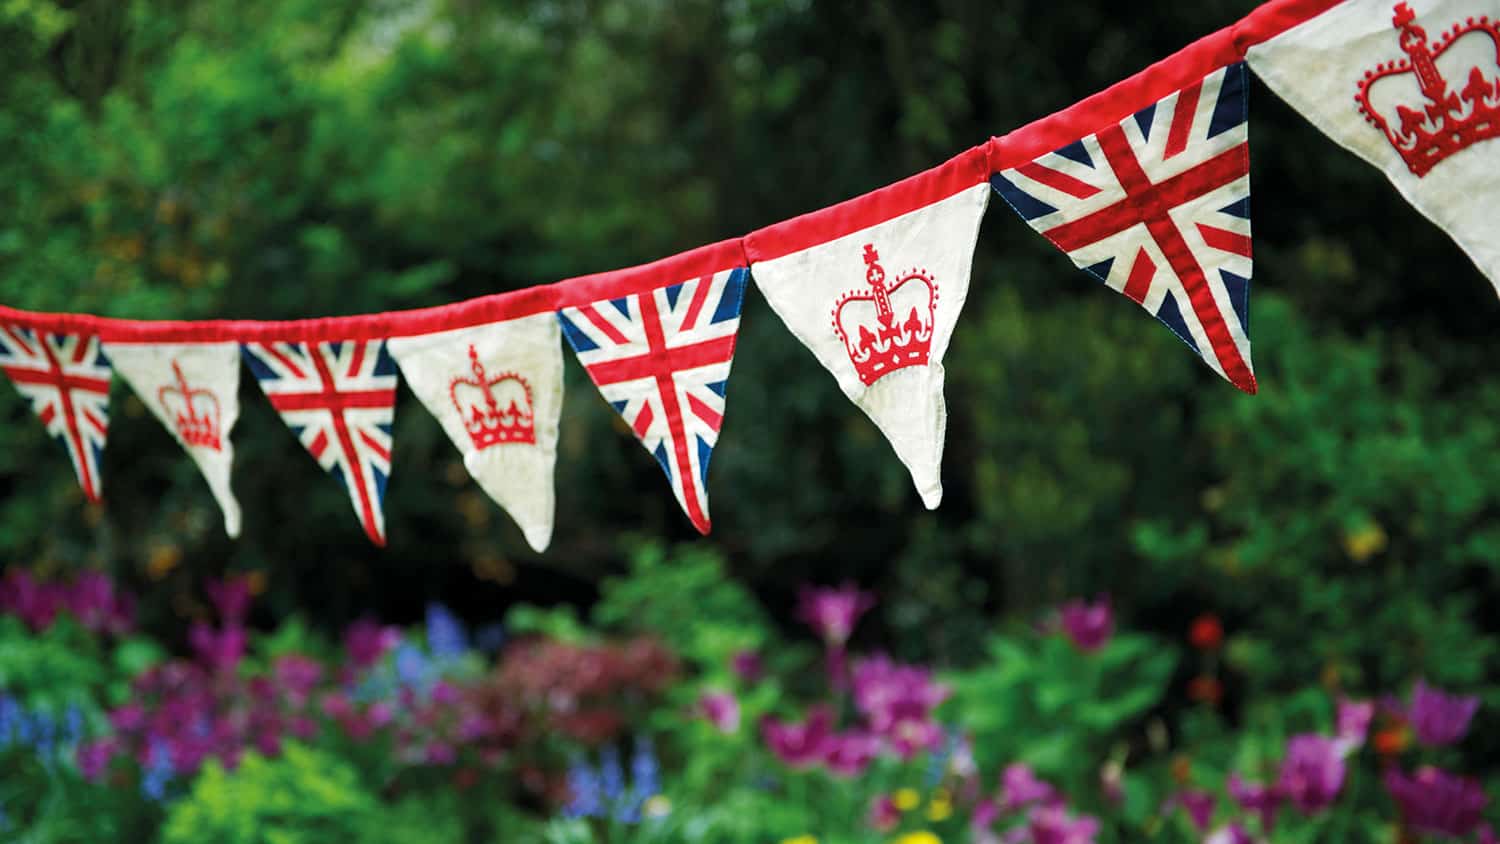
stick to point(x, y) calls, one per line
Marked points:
point(290, 365)
point(656, 361)
point(356, 478)
point(1145, 200)
point(356, 361)
point(97, 423)
point(58, 379)
point(48, 414)
point(1182, 120)
point(643, 421)
point(1057, 180)
point(80, 348)
point(374, 445)
point(673, 411)
point(1141, 273)
point(318, 445)
point(1225, 240)
point(16, 338)
point(603, 324)
point(700, 295)
point(712, 418)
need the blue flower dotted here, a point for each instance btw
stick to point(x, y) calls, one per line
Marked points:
point(612, 778)
point(158, 771)
point(10, 713)
point(445, 633)
point(411, 666)
point(584, 797)
point(645, 772)
point(73, 728)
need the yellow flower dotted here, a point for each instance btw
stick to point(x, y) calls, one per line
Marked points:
point(919, 837)
point(657, 807)
point(940, 809)
point(801, 839)
point(906, 799)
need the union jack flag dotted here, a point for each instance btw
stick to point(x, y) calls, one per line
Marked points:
point(1158, 207)
point(662, 360)
point(65, 377)
point(339, 399)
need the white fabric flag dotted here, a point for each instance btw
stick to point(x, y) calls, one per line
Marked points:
point(193, 388)
point(877, 307)
point(1414, 89)
point(497, 391)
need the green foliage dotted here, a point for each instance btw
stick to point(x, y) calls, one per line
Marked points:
point(305, 795)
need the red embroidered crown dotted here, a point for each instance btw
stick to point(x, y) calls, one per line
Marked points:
point(194, 411)
point(1425, 133)
point(494, 410)
point(885, 328)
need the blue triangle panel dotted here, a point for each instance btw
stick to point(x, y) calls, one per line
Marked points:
point(336, 347)
point(1233, 107)
point(661, 457)
point(705, 451)
point(1101, 269)
point(733, 298)
point(622, 305)
point(1143, 119)
point(380, 481)
point(718, 387)
point(384, 364)
point(577, 339)
point(337, 472)
point(1239, 295)
point(1076, 151)
point(384, 427)
point(1239, 208)
point(101, 359)
point(1028, 206)
point(619, 406)
point(258, 367)
point(1170, 314)
point(672, 293)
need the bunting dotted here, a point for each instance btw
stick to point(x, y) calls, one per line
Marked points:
point(497, 391)
point(193, 388)
point(339, 399)
point(65, 377)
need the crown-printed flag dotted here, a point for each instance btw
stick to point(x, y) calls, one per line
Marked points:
point(193, 388)
point(661, 358)
point(1157, 206)
point(497, 391)
point(1414, 89)
point(339, 399)
point(878, 302)
point(65, 377)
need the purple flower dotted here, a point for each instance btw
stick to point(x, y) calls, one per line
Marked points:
point(1198, 804)
point(1255, 797)
point(800, 745)
point(898, 701)
point(96, 605)
point(1088, 625)
point(1354, 718)
point(36, 603)
point(1312, 774)
point(1053, 825)
point(722, 710)
point(1231, 834)
point(1020, 787)
point(366, 642)
point(1438, 718)
point(297, 675)
point(747, 666)
point(1486, 835)
point(1436, 802)
point(94, 757)
point(850, 753)
point(218, 650)
point(986, 812)
point(832, 613)
point(231, 597)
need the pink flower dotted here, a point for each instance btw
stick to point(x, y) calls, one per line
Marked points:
point(898, 701)
point(747, 666)
point(1312, 774)
point(883, 815)
point(850, 753)
point(1053, 825)
point(1199, 806)
point(1436, 802)
point(440, 753)
point(231, 597)
point(366, 642)
point(722, 710)
point(1438, 718)
point(802, 745)
point(1354, 718)
point(986, 812)
point(1019, 787)
point(218, 650)
point(1255, 797)
point(1089, 626)
point(832, 613)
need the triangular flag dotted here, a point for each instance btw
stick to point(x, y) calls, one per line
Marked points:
point(193, 388)
point(661, 358)
point(65, 377)
point(1414, 89)
point(497, 391)
point(1157, 206)
point(877, 301)
point(339, 398)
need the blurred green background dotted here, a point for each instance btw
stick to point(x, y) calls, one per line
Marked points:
point(294, 158)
